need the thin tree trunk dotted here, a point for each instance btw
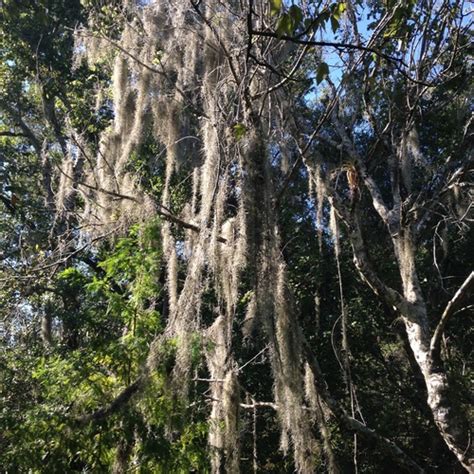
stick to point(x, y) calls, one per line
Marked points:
point(448, 418)
point(450, 421)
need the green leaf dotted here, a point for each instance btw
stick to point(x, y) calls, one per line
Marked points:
point(323, 18)
point(309, 22)
point(296, 15)
point(322, 73)
point(339, 10)
point(239, 130)
point(285, 25)
point(398, 24)
point(275, 6)
point(334, 24)
point(288, 22)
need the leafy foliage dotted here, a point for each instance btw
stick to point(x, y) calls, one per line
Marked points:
point(249, 167)
point(112, 317)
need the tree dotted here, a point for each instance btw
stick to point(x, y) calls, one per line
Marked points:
point(218, 166)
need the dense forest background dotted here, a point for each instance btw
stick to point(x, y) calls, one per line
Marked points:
point(236, 236)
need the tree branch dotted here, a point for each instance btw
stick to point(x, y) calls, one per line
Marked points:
point(361, 259)
point(330, 44)
point(163, 213)
point(16, 116)
point(453, 305)
point(122, 399)
point(351, 423)
point(377, 199)
point(338, 45)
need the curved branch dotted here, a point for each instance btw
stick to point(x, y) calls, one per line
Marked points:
point(339, 45)
point(463, 292)
point(331, 44)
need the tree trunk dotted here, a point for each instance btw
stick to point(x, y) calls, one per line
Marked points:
point(448, 418)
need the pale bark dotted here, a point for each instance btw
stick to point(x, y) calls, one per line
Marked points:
point(451, 423)
point(410, 304)
point(448, 418)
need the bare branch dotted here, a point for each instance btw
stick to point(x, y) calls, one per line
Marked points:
point(463, 292)
point(342, 46)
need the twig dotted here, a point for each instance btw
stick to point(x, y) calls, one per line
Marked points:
point(462, 293)
point(253, 358)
